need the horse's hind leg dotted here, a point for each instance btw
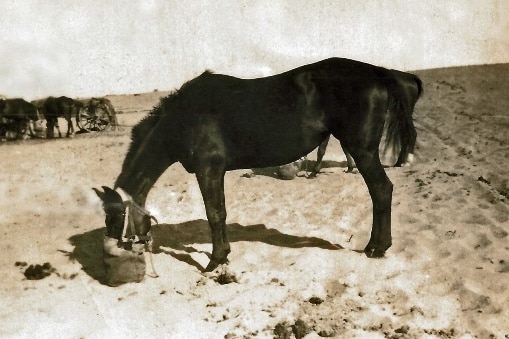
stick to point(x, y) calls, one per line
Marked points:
point(319, 157)
point(349, 160)
point(380, 190)
point(211, 182)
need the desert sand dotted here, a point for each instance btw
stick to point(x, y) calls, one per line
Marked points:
point(295, 243)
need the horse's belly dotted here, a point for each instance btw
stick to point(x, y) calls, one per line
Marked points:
point(276, 151)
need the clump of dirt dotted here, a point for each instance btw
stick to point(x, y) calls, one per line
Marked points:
point(284, 330)
point(223, 275)
point(315, 300)
point(226, 278)
point(37, 272)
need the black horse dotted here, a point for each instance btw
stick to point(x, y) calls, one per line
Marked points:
point(54, 108)
point(410, 87)
point(16, 116)
point(216, 123)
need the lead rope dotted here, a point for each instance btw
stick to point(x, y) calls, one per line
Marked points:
point(154, 272)
point(148, 240)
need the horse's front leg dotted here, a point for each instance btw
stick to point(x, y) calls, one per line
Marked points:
point(58, 128)
point(70, 128)
point(50, 128)
point(211, 182)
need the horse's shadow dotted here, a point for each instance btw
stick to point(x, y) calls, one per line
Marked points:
point(175, 239)
point(88, 251)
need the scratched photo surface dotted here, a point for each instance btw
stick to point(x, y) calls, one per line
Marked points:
point(296, 267)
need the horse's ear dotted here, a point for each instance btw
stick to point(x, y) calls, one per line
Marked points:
point(108, 190)
point(111, 196)
point(99, 193)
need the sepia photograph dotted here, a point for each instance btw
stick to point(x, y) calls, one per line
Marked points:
point(254, 169)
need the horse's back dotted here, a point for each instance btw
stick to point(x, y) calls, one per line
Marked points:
point(249, 116)
point(18, 108)
point(294, 110)
point(60, 106)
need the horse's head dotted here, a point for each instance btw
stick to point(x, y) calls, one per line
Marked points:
point(114, 208)
point(139, 219)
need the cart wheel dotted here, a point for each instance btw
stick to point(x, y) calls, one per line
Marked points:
point(102, 119)
point(93, 122)
point(82, 120)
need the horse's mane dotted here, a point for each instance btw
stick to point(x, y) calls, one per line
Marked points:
point(163, 107)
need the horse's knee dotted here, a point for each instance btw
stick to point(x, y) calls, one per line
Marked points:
point(216, 216)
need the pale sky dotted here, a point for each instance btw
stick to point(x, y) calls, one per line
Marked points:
point(99, 47)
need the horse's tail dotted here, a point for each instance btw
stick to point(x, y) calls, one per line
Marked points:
point(400, 133)
point(418, 82)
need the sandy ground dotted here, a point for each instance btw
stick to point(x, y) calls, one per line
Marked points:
point(294, 243)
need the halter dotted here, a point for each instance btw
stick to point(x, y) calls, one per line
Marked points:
point(143, 239)
point(132, 206)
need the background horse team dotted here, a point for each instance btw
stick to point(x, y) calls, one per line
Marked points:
point(20, 119)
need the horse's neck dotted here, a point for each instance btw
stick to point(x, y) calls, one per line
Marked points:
point(125, 196)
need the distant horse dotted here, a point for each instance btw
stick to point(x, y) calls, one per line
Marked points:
point(410, 87)
point(16, 116)
point(54, 108)
point(217, 123)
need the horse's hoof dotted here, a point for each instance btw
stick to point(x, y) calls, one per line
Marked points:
point(374, 253)
point(213, 264)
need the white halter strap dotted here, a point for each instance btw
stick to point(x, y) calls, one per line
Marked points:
point(123, 194)
point(131, 205)
point(129, 222)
